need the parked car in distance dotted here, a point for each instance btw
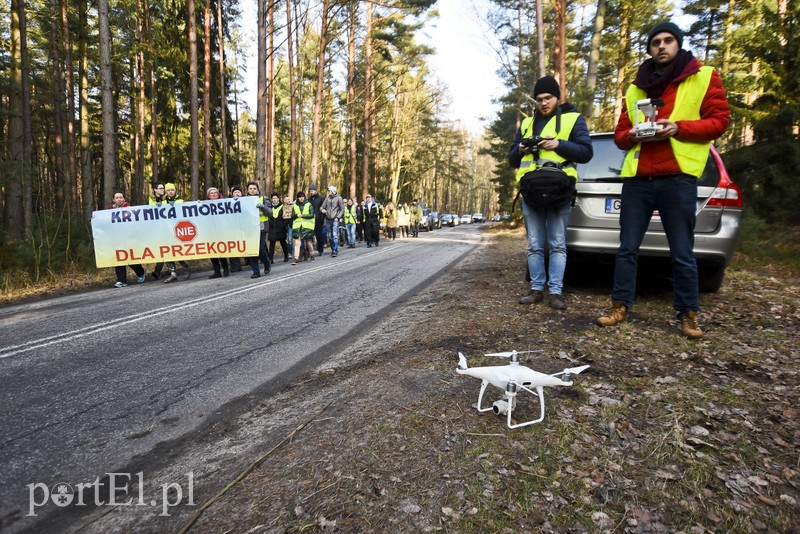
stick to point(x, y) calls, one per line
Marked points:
point(478, 217)
point(447, 219)
point(434, 219)
point(466, 218)
point(425, 222)
point(594, 223)
point(456, 219)
point(496, 218)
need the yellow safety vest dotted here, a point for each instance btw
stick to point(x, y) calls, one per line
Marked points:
point(276, 211)
point(690, 155)
point(350, 214)
point(262, 217)
point(300, 222)
point(528, 162)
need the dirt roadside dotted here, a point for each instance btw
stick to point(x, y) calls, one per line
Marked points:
point(661, 434)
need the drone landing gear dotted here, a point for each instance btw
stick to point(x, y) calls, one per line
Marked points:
point(507, 404)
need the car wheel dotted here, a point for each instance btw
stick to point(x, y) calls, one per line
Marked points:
point(710, 278)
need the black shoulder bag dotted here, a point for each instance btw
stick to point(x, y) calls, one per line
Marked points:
point(546, 187)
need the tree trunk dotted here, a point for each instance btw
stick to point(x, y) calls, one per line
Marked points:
point(87, 178)
point(207, 97)
point(13, 214)
point(153, 101)
point(520, 52)
point(293, 143)
point(107, 103)
point(351, 96)
point(540, 37)
point(137, 100)
point(729, 24)
point(62, 180)
point(622, 65)
point(222, 98)
point(594, 58)
point(261, 92)
point(269, 163)
point(369, 88)
point(318, 94)
point(561, 47)
point(194, 172)
point(138, 189)
point(70, 88)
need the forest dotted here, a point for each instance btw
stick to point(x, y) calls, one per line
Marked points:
point(124, 93)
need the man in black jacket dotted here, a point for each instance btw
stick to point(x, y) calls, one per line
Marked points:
point(319, 218)
point(554, 136)
point(372, 221)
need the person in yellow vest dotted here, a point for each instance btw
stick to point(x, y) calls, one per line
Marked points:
point(350, 218)
point(171, 197)
point(263, 221)
point(660, 170)
point(277, 227)
point(303, 227)
point(555, 135)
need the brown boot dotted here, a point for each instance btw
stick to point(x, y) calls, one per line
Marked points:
point(617, 313)
point(532, 298)
point(689, 326)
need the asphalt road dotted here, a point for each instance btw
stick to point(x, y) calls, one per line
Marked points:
point(92, 383)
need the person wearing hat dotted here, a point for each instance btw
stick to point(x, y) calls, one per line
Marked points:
point(564, 142)
point(660, 171)
point(333, 210)
point(319, 224)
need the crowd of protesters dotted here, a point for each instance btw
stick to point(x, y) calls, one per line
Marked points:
point(298, 228)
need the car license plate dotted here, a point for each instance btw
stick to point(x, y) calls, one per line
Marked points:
point(612, 205)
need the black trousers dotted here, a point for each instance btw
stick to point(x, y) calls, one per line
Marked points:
point(284, 246)
point(216, 263)
point(372, 230)
point(122, 272)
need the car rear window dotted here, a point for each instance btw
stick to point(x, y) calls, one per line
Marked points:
point(606, 164)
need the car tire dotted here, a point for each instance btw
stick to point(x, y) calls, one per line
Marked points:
point(710, 278)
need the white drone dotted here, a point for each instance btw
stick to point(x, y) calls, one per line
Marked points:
point(509, 378)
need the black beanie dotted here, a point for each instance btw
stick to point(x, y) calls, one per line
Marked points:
point(547, 84)
point(668, 27)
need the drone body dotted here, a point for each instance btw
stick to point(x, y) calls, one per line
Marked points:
point(512, 377)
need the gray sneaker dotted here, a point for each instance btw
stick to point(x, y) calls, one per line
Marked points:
point(532, 298)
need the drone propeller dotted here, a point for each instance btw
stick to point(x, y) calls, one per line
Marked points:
point(571, 371)
point(509, 354)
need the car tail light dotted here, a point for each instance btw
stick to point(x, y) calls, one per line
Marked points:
point(726, 196)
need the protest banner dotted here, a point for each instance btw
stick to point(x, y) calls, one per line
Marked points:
point(225, 228)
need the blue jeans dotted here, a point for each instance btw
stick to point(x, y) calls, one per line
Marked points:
point(332, 233)
point(547, 226)
point(675, 198)
point(351, 234)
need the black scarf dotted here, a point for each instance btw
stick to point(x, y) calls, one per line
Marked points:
point(654, 84)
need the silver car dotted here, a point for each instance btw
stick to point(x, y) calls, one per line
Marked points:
point(594, 223)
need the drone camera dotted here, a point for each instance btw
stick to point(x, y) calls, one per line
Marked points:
point(500, 407)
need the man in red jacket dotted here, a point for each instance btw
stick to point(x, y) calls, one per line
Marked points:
point(662, 166)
